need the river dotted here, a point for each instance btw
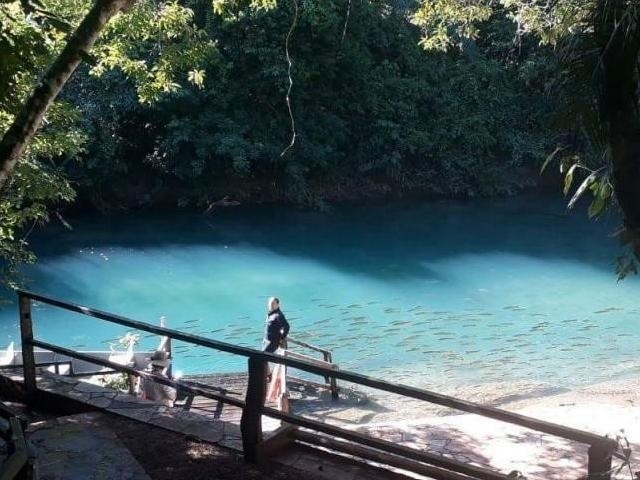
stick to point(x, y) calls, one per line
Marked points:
point(430, 293)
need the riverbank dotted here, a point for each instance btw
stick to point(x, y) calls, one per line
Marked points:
point(604, 408)
point(383, 409)
point(609, 408)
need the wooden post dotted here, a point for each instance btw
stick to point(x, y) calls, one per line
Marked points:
point(26, 333)
point(334, 389)
point(327, 358)
point(251, 420)
point(600, 461)
point(333, 384)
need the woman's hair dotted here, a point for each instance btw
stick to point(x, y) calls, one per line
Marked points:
point(271, 301)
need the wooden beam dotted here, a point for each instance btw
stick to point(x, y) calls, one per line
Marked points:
point(26, 334)
point(386, 446)
point(7, 413)
point(251, 420)
point(314, 361)
point(377, 456)
point(599, 466)
point(307, 345)
point(18, 464)
point(400, 389)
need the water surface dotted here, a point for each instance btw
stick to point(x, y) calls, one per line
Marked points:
point(430, 293)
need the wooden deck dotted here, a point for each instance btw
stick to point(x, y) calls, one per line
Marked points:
point(230, 384)
point(305, 396)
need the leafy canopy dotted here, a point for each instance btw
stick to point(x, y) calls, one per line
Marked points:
point(156, 45)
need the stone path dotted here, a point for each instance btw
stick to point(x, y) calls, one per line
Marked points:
point(218, 432)
point(468, 438)
point(203, 427)
point(504, 447)
point(82, 447)
point(336, 467)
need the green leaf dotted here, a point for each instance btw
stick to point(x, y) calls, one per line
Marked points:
point(197, 77)
point(581, 189)
point(625, 266)
point(550, 158)
point(568, 178)
point(567, 162)
point(596, 206)
point(605, 190)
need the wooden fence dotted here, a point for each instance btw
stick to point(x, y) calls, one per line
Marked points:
point(600, 450)
point(327, 361)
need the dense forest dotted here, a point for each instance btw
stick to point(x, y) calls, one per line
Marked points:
point(374, 114)
point(305, 102)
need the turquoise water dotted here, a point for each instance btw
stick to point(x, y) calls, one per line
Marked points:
point(433, 293)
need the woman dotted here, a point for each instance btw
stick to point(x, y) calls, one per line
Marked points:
point(276, 328)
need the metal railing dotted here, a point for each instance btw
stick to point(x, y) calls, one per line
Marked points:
point(253, 406)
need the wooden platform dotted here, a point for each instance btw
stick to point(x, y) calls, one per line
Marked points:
point(305, 395)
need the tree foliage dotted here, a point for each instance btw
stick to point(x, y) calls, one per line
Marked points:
point(375, 114)
point(184, 102)
point(599, 46)
point(154, 44)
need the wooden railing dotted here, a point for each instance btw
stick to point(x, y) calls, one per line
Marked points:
point(327, 361)
point(600, 451)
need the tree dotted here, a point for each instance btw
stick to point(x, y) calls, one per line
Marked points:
point(21, 132)
point(375, 114)
point(601, 34)
point(32, 37)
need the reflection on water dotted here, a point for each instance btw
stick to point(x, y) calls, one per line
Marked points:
point(429, 293)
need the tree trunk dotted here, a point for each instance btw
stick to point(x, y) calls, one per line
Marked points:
point(27, 122)
point(618, 101)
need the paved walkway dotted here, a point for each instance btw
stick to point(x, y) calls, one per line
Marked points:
point(504, 447)
point(176, 419)
point(468, 438)
point(202, 427)
point(82, 447)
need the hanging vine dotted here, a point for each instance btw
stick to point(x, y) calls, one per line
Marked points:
point(346, 23)
point(294, 23)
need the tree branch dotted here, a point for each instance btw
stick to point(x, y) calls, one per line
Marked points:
point(27, 122)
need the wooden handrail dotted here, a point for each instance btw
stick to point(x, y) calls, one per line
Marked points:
point(331, 382)
point(139, 373)
point(380, 457)
point(358, 378)
point(599, 452)
point(308, 345)
point(384, 445)
point(306, 358)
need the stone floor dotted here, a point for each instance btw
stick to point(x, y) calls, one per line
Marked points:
point(81, 447)
point(468, 438)
point(224, 434)
point(504, 447)
point(336, 467)
point(176, 419)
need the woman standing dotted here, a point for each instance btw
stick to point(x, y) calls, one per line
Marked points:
point(276, 328)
